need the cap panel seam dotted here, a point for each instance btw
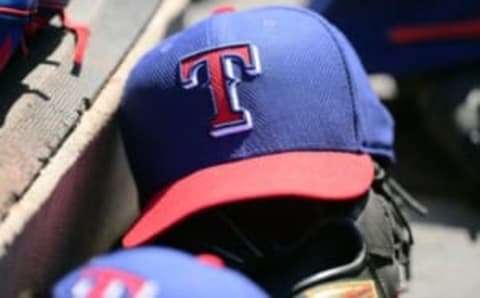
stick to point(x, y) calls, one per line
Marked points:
point(209, 31)
point(350, 85)
point(344, 63)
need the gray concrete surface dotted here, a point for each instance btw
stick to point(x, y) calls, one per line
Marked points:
point(446, 256)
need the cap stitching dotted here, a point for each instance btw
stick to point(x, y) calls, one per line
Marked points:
point(353, 94)
point(349, 81)
point(342, 57)
point(209, 30)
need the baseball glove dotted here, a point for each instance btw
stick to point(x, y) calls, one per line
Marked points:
point(299, 248)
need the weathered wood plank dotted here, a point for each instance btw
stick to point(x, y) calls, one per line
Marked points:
point(41, 102)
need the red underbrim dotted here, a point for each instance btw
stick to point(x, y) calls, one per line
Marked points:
point(324, 176)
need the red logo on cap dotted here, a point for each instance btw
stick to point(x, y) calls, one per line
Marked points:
point(229, 116)
point(107, 282)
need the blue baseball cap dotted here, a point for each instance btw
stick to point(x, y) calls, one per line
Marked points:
point(13, 16)
point(151, 272)
point(256, 104)
point(403, 37)
point(21, 8)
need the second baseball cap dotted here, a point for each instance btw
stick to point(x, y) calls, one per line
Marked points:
point(151, 272)
point(264, 103)
point(407, 37)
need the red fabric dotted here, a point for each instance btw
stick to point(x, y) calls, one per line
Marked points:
point(327, 176)
point(223, 9)
point(36, 24)
point(426, 33)
point(15, 12)
point(81, 31)
point(82, 34)
point(5, 51)
point(211, 260)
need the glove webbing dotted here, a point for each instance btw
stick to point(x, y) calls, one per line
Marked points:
point(393, 193)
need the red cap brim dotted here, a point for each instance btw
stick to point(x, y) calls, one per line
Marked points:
point(325, 176)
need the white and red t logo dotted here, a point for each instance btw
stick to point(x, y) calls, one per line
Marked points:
point(229, 117)
point(111, 283)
